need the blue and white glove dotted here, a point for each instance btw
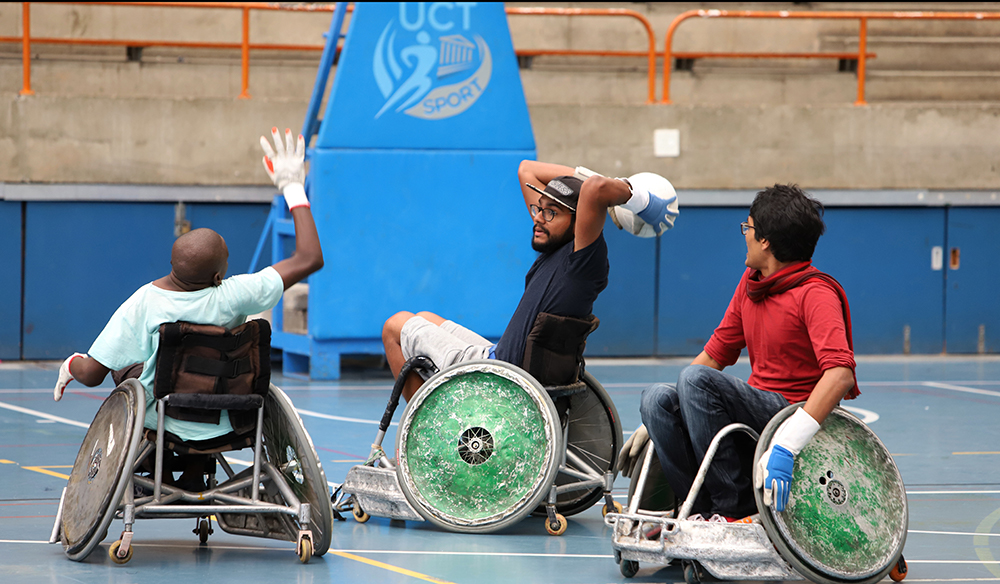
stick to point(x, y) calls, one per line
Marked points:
point(657, 210)
point(774, 469)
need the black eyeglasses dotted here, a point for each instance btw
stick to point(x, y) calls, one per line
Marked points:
point(744, 227)
point(547, 213)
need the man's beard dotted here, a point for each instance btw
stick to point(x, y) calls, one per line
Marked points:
point(553, 244)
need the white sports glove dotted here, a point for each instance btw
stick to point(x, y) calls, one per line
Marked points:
point(583, 173)
point(774, 469)
point(287, 166)
point(64, 376)
point(631, 452)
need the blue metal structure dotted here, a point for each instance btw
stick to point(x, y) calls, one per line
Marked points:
point(413, 178)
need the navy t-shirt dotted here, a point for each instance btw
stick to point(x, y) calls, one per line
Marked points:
point(564, 283)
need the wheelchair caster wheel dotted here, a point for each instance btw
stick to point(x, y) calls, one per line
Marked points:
point(617, 509)
point(203, 531)
point(305, 549)
point(629, 568)
point(113, 553)
point(557, 527)
point(899, 570)
point(359, 514)
point(691, 575)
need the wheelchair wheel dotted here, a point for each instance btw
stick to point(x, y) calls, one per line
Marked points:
point(102, 469)
point(846, 517)
point(477, 447)
point(595, 435)
point(289, 448)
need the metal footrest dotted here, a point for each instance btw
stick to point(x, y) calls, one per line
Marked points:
point(728, 551)
point(378, 492)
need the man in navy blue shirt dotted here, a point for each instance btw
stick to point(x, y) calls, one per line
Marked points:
point(571, 270)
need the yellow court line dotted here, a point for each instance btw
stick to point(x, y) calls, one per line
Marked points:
point(45, 470)
point(960, 453)
point(391, 568)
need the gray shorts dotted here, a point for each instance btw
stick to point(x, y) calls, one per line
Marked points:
point(445, 345)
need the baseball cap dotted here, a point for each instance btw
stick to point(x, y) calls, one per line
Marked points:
point(564, 190)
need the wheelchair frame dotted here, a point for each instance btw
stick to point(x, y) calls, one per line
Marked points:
point(220, 499)
point(375, 488)
point(728, 551)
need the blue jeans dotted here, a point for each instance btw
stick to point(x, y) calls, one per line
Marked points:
point(682, 419)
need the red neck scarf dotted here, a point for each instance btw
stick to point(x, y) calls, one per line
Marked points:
point(792, 276)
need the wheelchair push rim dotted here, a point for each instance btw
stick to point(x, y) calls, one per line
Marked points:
point(477, 446)
point(595, 435)
point(288, 446)
point(846, 517)
point(101, 471)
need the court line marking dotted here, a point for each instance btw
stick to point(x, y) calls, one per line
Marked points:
point(339, 418)
point(346, 553)
point(19, 409)
point(951, 533)
point(44, 470)
point(389, 567)
point(953, 492)
point(961, 388)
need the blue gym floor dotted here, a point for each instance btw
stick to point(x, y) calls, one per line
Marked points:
point(939, 416)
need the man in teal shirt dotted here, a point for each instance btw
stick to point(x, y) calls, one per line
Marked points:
point(197, 291)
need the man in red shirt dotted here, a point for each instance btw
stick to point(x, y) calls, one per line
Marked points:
point(795, 323)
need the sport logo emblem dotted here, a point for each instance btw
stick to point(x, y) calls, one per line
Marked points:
point(429, 78)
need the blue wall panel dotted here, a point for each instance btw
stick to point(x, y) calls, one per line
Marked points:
point(626, 307)
point(10, 283)
point(701, 262)
point(454, 244)
point(882, 258)
point(82, 260)
point(972, 291)
point(240, 224)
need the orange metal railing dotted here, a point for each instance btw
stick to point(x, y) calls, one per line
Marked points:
point(862, 55)
point(650, 53)
point(245, 45)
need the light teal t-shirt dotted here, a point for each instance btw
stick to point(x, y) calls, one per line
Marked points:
point(133, 333)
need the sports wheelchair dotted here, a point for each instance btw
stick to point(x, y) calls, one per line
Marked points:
point(845, 521)
point(125, 471)
point(484, 443)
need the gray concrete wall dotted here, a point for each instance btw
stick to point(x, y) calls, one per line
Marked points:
point(836, 146)
point(173, 118)
point(214, 142)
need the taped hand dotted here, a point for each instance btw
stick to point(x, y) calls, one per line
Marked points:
point(774, 469)
point(285, 164)
point(64, 376)
point(631, 452)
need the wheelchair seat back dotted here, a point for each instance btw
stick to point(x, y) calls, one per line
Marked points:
point(204, 363)
point(553, 352)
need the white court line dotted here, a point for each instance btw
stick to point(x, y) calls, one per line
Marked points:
point(952, 533)
point(953, 492)
point(43, 415)
point(959, 388)
point(509, 554)
point(339, 418)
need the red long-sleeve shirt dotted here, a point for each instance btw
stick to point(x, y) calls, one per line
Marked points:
point(791, 337)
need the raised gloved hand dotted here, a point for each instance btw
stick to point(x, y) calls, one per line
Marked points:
point(287, 166)
point(64, 376)
point(774, 469)
point(631, 452)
